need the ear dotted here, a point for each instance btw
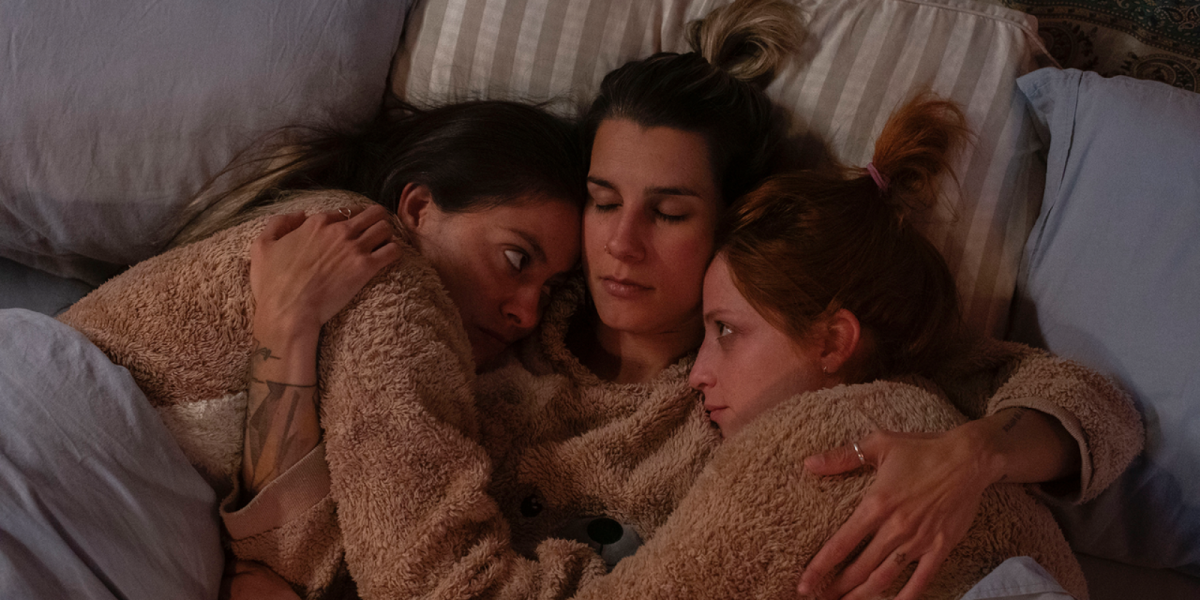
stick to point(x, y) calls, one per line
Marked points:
point(415, 207)
point(843, 335)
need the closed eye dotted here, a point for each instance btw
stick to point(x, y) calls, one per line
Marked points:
point(670, 218)
point(517, 259)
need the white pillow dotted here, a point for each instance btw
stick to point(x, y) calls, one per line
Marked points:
point(863, 59)
point(115, 113)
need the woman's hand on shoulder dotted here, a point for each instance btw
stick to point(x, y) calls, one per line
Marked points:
point(305, 268)
point(926, 493)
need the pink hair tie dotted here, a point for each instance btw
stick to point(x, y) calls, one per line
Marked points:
point(881, 180)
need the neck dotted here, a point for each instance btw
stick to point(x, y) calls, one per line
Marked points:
point(627, 357)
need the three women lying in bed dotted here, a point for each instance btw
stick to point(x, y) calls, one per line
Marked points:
point(419, 488)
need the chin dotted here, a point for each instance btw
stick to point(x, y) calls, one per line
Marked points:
point(625, 320)
point(485, 359)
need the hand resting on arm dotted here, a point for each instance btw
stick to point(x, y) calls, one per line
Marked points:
point(303, 271)
point(926, 494)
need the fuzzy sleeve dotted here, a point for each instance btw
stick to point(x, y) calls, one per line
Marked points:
point(993, 375)
point(753, 520)
point(408, 475)
point(291, 527)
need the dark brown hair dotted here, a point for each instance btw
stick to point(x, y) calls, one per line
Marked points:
point(715, 91)
point(803, 245)
point(471, 155)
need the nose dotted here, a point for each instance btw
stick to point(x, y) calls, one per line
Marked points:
point(625, 242)
point(523, 308)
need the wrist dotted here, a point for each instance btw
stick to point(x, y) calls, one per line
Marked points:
point(284, 331)
point(980, 445)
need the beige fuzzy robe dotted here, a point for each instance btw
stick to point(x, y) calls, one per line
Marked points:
point(400, 500)
point(394, 501)
point(581, 447)
point(754, 518)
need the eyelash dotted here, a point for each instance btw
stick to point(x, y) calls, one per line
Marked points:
point(612, 206)
point(722, 329)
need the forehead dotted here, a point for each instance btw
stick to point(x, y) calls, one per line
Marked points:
point(551, 227)
point(624, 151)
point(720, 294)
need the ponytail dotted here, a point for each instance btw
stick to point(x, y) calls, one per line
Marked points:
point(912, 151)
point(715, 91)
point(804, 245)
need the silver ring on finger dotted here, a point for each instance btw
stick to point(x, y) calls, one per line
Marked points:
point(345, 212)
point(862, 460)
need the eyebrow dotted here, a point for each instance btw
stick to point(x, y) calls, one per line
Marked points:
point(653, 190)
point(538, 253)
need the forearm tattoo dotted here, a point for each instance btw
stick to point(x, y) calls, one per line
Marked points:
point(270, 419)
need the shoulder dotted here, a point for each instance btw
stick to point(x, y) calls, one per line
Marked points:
point(813, 422)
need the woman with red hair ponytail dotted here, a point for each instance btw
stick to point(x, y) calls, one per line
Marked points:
point(822, 279)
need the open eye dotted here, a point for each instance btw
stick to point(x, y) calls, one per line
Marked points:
point(516, 258)
point(722, 329)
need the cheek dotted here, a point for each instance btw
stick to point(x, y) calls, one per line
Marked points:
point(691, 251)
point(474, 287)
point(688, 258)
point(593, 238)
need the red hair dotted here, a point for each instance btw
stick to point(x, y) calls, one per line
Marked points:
point(803, 245)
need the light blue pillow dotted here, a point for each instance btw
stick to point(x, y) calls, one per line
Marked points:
point(1111, 278)
point(114, 113)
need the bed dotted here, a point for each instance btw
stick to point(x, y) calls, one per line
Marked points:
point(1073, 226)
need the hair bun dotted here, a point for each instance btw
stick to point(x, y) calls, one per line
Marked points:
point(749, 39)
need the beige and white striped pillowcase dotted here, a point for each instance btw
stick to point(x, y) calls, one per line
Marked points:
point(862, 59)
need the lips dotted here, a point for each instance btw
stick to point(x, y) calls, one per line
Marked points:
point(623, 288)
point(501, 339)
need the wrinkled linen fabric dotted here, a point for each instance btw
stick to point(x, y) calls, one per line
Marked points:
point(96, 499)
point(117, 113)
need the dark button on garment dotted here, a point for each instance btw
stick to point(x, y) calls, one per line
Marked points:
point(605, 531)
point(531, 507)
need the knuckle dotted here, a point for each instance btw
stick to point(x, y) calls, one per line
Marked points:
point(875, 505)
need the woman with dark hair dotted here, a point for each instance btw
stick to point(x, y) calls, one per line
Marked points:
point(406, 253)
point(596, 435)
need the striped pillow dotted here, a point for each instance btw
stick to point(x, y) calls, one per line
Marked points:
point(863, 58)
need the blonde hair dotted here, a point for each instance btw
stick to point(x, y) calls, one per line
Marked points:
point(749, 39)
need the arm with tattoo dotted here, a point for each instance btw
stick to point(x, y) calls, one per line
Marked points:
point(304, 269)
point(281, 416)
